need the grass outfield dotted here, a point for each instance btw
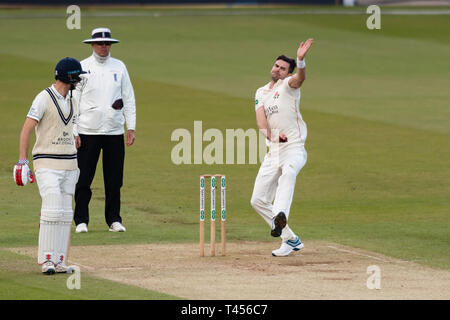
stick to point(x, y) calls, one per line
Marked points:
point(375, 102)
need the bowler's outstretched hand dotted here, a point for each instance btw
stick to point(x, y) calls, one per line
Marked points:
point(303, 48)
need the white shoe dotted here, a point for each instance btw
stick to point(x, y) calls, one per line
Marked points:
point(117, 227)
point(62, 268)
point(48, 268)
point(82, 227)
point(287, 247)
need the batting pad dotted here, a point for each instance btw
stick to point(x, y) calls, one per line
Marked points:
point(52, 207)
point(55, 224)
point(64, 227)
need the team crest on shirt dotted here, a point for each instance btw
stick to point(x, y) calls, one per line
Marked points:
point(276, 95)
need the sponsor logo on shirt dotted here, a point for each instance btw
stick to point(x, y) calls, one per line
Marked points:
point(66, 139)
point(271, 110)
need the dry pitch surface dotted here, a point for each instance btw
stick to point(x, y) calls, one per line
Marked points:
point(321, 270)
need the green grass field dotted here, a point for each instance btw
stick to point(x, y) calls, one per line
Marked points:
point(376, 104)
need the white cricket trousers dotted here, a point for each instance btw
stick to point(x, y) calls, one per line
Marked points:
point(275, 184)
point(56, 188)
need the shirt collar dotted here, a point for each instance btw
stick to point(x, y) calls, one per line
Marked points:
point(276, 84)
point(58, 95)
point(99, 59)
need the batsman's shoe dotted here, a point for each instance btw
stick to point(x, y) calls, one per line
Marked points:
point(62, 268)
point(287, 247)
point(48, 268)
point(117, 227)
point(82, 227)
point(278, 224)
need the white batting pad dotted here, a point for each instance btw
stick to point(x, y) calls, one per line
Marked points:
point(52, 207)
point(48, 232)
point(63, 240)
point(55, 224)
point(64, 227)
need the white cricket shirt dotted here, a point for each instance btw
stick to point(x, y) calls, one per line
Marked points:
point(39, 104)
point(282, 108)
point(55, 146)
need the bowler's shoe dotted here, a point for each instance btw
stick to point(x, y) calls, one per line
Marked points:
point(287, 247)
point(279, 223)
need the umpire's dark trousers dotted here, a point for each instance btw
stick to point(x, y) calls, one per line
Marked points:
point(113, 155)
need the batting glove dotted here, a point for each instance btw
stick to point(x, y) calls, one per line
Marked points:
point(22, 173)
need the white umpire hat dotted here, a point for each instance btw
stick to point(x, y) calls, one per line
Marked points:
point(101, 34)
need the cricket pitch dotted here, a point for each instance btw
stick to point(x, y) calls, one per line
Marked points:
point(322, 270)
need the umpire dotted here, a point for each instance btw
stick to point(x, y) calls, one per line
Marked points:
point(106, 102)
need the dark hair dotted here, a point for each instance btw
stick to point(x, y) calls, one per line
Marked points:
point(291, 62)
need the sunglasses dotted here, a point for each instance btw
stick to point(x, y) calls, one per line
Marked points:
point(106, 43)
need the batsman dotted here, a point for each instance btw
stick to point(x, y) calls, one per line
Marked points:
point(277, 107)
point(53, 115)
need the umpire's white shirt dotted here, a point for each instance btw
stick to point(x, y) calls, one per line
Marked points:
point(106, 81)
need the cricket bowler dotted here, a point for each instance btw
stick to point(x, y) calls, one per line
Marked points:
point(277, 107)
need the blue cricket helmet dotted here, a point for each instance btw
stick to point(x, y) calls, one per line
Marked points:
point(68, 70)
